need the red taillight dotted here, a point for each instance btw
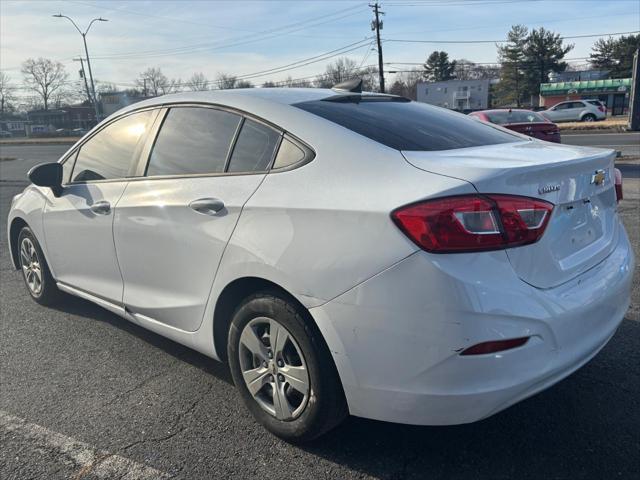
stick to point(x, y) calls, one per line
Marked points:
point(601, 108)
point(495, 346)
point(618, 177)
point(473, 222)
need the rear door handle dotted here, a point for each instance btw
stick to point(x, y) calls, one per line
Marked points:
point(207, 206)
point(101, 208)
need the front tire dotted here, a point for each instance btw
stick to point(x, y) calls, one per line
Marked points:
point(35, 270)
point(283, 369)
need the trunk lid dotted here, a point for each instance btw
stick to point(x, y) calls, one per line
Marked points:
point(582, 229)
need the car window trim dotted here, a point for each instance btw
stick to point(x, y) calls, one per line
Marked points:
point(232, 145)
point(136, 153)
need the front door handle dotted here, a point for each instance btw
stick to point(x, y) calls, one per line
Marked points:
point(207, 206)
point(101, 208)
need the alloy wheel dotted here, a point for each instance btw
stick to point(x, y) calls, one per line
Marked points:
point(31, 266)
point(274, 369)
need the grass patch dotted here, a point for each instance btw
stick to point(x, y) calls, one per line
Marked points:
point(618, 124)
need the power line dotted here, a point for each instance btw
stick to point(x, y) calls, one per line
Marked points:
point(265, 35)
point(503, 41)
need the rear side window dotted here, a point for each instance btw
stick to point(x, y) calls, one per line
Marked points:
point(193, 140)
point(254, 148)
point(110, 153)
point(404, 125)
point(288, 154)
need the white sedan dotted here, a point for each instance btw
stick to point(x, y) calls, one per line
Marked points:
point(345, 252)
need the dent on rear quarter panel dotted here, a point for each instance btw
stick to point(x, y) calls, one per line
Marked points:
point(321, 229)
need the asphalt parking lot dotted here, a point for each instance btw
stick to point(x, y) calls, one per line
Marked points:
point(86, 394)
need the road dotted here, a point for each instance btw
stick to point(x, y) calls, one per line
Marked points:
point(86, 394)
point(628, 143)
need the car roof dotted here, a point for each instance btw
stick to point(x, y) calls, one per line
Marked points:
point(276, 95)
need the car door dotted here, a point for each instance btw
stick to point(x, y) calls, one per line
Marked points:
point(574, 111)
point(557, 113)
point(172, 225)
point(78, 224)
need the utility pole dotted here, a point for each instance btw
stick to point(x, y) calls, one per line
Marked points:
point(86, 51)
point(634, 103)
point(377, 26)
point(84, 77)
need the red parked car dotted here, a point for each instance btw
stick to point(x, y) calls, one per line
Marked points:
point(522, 121)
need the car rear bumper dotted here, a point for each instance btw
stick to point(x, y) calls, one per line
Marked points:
point(396, 337)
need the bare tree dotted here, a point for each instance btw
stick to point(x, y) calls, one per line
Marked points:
point(269, 84)
point(172, 86)
point(45, 77)
point(6, 94)
point(243, 84)
point(297, 83)
point(198, 82)
point(405, 83)
point(345, 69)
point(226, 81)
point(152, 82)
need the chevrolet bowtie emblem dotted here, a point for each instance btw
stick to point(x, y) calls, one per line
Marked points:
point(598, 177)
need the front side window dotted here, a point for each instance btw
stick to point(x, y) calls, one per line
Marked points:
point(405, 125)
point(193, 140)
point(254, 148)
point(110, 153)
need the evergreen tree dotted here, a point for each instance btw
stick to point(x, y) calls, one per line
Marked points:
point(511, 57)
point(438, 68)
point(615, 55)
point(543, 54)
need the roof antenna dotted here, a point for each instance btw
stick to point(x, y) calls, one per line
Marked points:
point(354, 86)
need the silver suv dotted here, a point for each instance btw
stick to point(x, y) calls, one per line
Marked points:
point(575, 111)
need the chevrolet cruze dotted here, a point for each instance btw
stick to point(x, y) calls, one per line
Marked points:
point(344, 252)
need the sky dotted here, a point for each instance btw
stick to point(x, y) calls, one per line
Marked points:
point(249, 37)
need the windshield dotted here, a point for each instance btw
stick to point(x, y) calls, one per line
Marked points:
point(405, 125)
point(505, 117)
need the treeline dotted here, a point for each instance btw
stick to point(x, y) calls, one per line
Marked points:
point(524, 62)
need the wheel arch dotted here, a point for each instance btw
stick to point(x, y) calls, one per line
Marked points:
point(232, 296)
point(17, 224)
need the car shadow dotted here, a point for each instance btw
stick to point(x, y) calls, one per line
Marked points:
point(84, 308)
point(584, 427)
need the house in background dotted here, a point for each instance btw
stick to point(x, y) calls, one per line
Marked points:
point(69, 118)
point(14, 124)
point(614, 92)
point(463, 95)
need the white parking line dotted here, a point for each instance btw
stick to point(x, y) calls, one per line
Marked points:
point(86, 458)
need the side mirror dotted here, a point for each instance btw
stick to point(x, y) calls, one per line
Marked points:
point(47, 175)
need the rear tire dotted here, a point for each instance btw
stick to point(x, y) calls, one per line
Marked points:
point(35, 270)
point(589, 117)
point(297, 394)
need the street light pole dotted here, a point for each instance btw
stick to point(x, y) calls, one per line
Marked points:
point(86, 51)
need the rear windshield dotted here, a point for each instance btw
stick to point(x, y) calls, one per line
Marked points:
point(405, 125)
point(506, 117)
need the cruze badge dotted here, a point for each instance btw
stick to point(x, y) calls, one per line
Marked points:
point(598, 177)
point(548, 189)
